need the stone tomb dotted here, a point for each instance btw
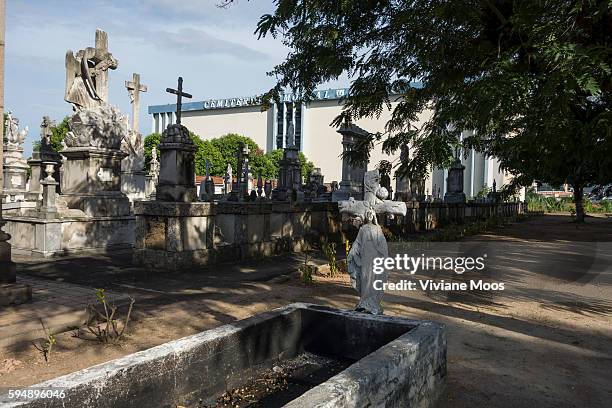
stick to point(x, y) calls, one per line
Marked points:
point(390, 361)
point(182, 235)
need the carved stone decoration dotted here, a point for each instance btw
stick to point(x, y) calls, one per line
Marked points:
point(372, 187)
point(14, 137)
point(87, 74)
point(15, 165)
point(103, 127)
point(177, 172)
point(133, 146)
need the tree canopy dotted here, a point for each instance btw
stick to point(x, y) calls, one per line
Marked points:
point(222, 150)
point(532, 79)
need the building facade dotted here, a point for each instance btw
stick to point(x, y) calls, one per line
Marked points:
point(313, 133)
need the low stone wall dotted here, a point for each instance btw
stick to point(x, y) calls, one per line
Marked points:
point(179, 235)
point(67, 236)
point(398, 363)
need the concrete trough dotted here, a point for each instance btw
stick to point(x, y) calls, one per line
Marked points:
point(396, 362)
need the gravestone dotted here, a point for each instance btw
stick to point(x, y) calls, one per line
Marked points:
point(352, 175)
point(454, 183)
point(177, 172)
point(91, 178)
point(370, 242)
point(290, 172)
point(132, 167)
point(15, 165)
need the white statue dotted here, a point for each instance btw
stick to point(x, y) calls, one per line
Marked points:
point(154, 163)
point(370, 244)
point(14, 137)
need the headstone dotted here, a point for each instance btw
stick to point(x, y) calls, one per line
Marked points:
point(352, 175)
point(177, 173)
point(370, 242)
point(289, 185)
point(454, 183)
point(91, 176)
point(207, 186)
point(240, 187)
point(15, 165)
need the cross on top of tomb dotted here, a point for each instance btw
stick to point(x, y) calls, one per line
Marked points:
point(134, 88)
point(179, 95)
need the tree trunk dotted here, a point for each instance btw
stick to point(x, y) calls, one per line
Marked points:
point(578, 202)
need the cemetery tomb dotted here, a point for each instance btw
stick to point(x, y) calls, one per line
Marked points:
point(307, 355)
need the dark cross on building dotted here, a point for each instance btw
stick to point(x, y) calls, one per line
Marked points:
point(179, 95)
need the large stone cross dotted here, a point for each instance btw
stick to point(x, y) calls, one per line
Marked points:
point(134, 88)
point(179, 95)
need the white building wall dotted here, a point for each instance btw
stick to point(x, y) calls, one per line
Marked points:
point(247, 121)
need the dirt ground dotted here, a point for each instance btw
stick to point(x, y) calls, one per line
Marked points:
point(544, 341)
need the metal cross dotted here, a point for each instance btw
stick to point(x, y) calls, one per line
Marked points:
point(179, 95)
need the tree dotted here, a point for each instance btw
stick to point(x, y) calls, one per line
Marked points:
point(149, 141)
point(533, 80)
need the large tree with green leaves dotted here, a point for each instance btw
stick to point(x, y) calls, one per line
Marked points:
point(532, 79)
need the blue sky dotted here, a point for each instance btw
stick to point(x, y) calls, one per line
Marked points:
point(213, 49)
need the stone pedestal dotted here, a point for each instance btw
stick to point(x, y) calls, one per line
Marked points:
point(290, 175)
point(133, 184)
point(150, 186)
point(15, 174)
point(352, 176)
point(454, 183)
point(10, 292)
point(48, 208)
point(177, 173)
point(91, 181)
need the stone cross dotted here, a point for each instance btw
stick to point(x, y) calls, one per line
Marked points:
point(102, 55)
point(134, 88)
point(374, 198)
point(207, 169)
point(179, 97)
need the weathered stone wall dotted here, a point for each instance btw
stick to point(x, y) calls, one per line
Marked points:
point(180, 235)
point(39, 237)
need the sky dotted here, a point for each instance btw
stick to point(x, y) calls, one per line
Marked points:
point(213, 49)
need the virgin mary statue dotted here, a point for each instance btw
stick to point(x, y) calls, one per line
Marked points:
point(370, 244)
